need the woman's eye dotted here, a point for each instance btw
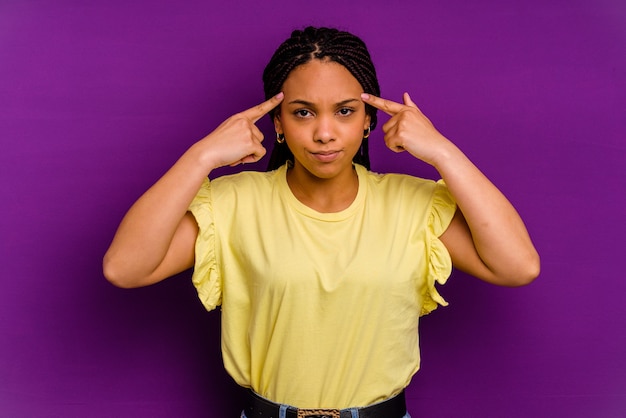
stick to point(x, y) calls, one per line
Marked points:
point(345, 111)
point(302, 113)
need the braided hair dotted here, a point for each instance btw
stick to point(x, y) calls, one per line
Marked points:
point(320, 43)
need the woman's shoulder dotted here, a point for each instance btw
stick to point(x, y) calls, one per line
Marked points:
point(405, 192)
point(245, 177)
point(397, 180)
point(245, 182)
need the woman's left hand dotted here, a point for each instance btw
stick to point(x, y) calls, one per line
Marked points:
point(409, 129)
point(487, 238)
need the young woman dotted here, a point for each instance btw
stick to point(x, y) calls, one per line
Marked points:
point(321, 267)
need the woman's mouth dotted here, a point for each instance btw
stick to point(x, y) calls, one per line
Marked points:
point(326, 156)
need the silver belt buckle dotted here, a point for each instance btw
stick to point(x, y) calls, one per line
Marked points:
point(319, 413)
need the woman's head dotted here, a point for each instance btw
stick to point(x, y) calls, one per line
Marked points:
point(321, 44)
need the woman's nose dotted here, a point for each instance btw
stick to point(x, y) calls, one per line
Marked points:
point(324, 131)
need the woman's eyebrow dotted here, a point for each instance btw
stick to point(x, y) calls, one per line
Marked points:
point(309, 104)
point(348, 101)
point(301, 102)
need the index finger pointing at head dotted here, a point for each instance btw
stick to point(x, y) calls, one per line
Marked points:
point(257, 112)
point(387, 106)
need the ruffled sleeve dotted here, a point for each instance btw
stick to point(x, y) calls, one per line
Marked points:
point(206, 276)
point(439, 261)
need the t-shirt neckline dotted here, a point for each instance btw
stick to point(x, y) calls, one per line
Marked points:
point(323, 216)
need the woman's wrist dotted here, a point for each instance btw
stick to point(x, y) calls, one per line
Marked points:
point(200, 157)
point(449, 157)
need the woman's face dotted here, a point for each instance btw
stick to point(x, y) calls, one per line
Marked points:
point(322, 117)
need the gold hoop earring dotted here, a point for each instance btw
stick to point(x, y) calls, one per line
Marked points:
point(280, 138)
point(367, 132)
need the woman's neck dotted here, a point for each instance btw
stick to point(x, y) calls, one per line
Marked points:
point(323, 195)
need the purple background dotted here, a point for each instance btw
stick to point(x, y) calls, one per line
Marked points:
point(97, 99)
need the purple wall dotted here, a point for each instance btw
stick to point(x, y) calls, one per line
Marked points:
point(97, 99)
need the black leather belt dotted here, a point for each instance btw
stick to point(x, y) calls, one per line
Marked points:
point(259, 407)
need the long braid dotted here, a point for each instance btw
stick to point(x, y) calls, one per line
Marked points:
point(321, 43)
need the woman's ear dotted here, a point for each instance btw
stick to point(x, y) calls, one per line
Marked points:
point(368, 122)
point(278, 126)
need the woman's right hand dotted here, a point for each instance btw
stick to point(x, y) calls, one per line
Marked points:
point(156, 238)
point(237, 140)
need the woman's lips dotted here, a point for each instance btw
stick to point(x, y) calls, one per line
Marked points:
point(326, 156)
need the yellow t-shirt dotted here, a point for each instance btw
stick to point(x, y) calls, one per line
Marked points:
point(320, 310)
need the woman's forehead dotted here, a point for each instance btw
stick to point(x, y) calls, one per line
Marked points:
point(321, 81)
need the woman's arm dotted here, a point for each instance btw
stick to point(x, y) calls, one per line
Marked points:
point(487, 238)
point(156, 237)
